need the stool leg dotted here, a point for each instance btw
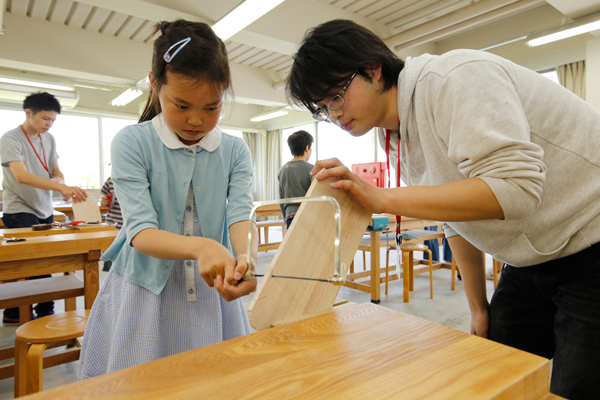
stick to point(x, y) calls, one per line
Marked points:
point(453, 285)
point(411, 268)
point(259, 228)
point(25, 314)
point(406, 274)
point(430, 274)
point(352, 267)
point(266, 234)
point(71, 304)
point(35, 366)
point(364, 261)
point(387, 267)
point(20, 368)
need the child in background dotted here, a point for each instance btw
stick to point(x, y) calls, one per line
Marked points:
point(113, 216)
point(185, 190)
point(109, 199)
point(294, 177)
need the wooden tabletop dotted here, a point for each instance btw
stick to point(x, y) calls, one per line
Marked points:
point(269, 211)
point(360, 351)
point(56, 245)
point(28, 232)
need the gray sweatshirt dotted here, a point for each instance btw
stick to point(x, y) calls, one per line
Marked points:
point(472, 114)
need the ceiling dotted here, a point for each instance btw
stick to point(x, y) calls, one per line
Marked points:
point(104, 46)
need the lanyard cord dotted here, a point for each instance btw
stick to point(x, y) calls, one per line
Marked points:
point(44, 163)
point(388, 134)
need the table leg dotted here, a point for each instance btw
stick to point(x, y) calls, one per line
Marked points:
point(91, 278)
point(375, 268)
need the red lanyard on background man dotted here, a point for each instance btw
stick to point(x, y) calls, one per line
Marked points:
point(388, 134)
point(44, 163)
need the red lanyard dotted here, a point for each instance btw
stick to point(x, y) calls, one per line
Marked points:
point(44, 163)
point(388, 134)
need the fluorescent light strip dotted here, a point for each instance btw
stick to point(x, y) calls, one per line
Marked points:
point(37, 84)
point(564, 34)
point(242, 16)
point(126, 97)
point(274, 114)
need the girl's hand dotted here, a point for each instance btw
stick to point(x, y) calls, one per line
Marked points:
point(480, 322)
point(370, 197)
point(104, 201)
point(228, 287)
point(213, 261)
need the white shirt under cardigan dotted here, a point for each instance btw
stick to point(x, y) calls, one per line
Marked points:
point(469, 114)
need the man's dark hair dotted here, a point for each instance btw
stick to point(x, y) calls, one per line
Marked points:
point(298, 142)
point(41, 101)
point(329, 55)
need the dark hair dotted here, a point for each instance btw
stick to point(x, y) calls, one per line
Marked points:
point(204, 58)
point(329, 55)
point(41, 101)
point(298, 142)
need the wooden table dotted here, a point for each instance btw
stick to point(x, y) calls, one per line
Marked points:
point(41, 255)
point(28, 232)
point(269, 211)
point(360, 351)
point(58, 217)
point(373, 285)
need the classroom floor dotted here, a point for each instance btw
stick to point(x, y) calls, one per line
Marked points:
point(448, 308)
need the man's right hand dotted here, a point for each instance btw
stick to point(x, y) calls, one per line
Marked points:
point(77, 195)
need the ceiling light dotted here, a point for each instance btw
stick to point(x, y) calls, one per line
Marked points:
point(269, 115)
point(126, 97)
point(567, 33)
point(37, 84)
point(242, 16)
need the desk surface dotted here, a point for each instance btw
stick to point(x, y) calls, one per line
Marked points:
point(57, 245)
point(356, 352)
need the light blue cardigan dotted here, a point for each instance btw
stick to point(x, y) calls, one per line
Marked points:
point(152, 182)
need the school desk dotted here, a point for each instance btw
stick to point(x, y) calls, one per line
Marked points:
point(58, 217)
point(41, 255)
point(359, 351)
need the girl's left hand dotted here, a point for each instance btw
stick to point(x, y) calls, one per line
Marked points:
point(228, 287)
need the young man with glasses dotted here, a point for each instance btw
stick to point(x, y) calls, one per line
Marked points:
point(506, 158)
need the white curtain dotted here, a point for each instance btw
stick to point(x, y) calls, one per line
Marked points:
point(253, 140)
point(572, 76)
point(273, 163)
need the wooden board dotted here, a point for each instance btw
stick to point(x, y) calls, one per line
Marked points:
point(28, 232)
point(307, 250)
point(87, 211)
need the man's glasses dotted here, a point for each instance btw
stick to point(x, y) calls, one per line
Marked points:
point(335, 103)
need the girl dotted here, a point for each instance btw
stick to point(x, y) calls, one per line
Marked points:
point(185, 192)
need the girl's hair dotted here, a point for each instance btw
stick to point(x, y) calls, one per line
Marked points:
point(329, 55)
point(203, 58)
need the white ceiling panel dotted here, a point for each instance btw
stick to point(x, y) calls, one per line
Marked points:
point(97, 19)
point(40, 9)
point(78, 15)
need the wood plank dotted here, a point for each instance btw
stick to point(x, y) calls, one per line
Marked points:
point(28, 232)
point(312, 230)
point(354, 352)
point(57, 245)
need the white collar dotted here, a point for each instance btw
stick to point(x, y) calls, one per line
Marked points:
point(210, 142)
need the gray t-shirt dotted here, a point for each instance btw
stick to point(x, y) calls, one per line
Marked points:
point(18, 197)
point(294, 181)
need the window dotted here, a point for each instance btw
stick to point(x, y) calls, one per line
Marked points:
point(9, 120)
point(78, 149)
point(232, 132)
point(335, 142)
point(550, 74)
point(110, 127)
point(286, 154)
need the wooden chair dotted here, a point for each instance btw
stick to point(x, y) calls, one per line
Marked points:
point(265, 225)
point(38, 335)
point(407, 250)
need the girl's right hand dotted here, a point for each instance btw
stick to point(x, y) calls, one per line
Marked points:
point(370, 197)
point(213, 260)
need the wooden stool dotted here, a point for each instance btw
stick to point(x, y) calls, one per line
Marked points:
point(42, 333)
point(407, 264)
